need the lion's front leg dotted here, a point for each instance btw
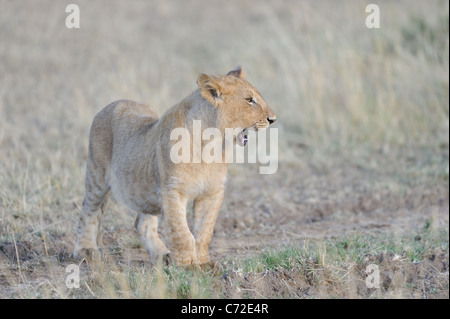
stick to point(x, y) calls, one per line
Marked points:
point(182, 242)
point(206, 209)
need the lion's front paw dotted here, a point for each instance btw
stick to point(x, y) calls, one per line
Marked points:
point(203, 256)
point(91, 254)
point(211, 266)
point(160, 258)
point(181, 260)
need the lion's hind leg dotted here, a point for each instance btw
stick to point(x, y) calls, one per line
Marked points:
point(91, 214)
point(89, 231)
point(147, 228)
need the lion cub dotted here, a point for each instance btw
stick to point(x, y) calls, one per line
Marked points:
point(129, 155)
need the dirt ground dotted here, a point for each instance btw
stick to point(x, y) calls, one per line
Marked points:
point(363, 120)
point(310, 202)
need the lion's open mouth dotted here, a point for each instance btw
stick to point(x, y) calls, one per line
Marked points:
point(242, 137)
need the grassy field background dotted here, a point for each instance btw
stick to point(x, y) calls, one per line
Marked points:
point(363, 119)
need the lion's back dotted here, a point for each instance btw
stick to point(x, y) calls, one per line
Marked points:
point(115, 126)
point(121, 118)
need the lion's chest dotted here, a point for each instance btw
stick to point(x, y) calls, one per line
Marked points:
point(194, 180)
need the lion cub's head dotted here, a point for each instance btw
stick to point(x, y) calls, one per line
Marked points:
point(240, 104)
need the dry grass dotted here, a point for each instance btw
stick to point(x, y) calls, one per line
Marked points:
point(363, 118)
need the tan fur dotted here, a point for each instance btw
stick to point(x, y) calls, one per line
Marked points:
point(129, 151)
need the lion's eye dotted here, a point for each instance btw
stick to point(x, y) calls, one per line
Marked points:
point(250, 100)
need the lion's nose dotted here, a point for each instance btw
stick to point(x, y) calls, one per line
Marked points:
point(271, 120)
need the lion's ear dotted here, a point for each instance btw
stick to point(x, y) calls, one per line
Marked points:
point(237, 72)
point(210, 87)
